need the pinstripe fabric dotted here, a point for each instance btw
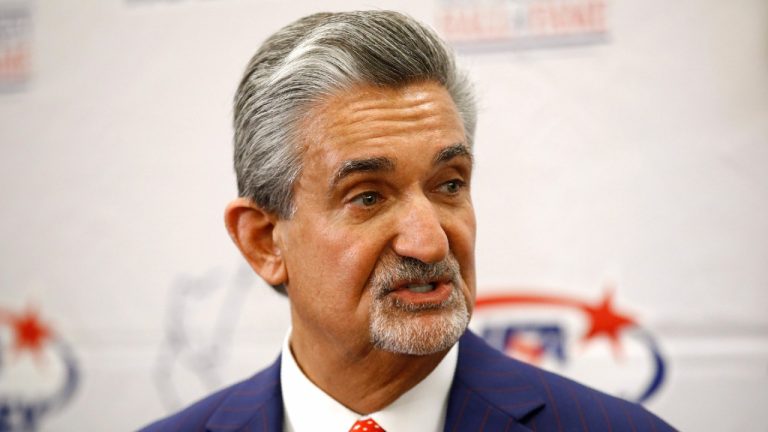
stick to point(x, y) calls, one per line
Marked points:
point(490, 392)
point(253, 405)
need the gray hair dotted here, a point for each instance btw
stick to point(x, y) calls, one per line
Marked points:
point(312, 59)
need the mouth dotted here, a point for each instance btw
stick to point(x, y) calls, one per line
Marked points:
point(433, 292)
point(421, 288)
point(413, 285)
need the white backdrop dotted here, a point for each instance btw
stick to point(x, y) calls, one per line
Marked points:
point(637, 161)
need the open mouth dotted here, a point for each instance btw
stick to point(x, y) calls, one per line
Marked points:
point(423, 292)
point(421, 288)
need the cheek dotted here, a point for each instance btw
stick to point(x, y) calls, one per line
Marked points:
point(462, 237)
point(357, 257)
point(460, 228)
point(334, 264)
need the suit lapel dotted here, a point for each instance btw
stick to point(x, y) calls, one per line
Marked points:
point(254, 405)
point(489, 392)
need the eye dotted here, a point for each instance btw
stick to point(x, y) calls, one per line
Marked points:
point(366, 199)
point(452, 187)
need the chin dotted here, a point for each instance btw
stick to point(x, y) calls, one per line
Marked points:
point(422, 333)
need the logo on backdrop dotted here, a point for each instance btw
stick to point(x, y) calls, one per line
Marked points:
point(202, 316)
point(513, 24)
point(15, 44)
point(591, 341)
point(38, 372)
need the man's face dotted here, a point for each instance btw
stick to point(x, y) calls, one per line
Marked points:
point(380, 250)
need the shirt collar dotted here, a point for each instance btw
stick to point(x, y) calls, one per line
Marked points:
point(420, 409)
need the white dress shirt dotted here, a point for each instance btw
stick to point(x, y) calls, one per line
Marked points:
point(420, 409)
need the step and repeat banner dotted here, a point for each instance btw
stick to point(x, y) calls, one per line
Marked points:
point(621, 193)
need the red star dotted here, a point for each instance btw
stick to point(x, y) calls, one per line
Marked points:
point(29, 333)
point(604, 321)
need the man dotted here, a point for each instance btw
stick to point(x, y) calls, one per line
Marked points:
point(353, 153)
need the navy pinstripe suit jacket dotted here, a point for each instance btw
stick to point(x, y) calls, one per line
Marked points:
point(490, 392)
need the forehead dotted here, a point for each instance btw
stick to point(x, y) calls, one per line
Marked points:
point(366, 120)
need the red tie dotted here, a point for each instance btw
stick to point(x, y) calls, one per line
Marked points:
point(366, 425)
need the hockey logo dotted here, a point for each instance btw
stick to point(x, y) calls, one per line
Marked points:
point(38, 372)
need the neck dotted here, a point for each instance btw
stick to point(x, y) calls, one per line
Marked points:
point(362, 378)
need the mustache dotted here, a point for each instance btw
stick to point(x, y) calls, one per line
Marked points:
point(394, 270)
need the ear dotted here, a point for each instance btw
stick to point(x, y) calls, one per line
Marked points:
point(251, 229)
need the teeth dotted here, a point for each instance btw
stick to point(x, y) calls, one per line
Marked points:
point(420, 288)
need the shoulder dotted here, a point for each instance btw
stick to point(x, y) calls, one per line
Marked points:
point(194, 416)
point(255, 389)
point(574, 404)
point(551, 401)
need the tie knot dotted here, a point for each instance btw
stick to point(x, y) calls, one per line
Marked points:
point(366, 425)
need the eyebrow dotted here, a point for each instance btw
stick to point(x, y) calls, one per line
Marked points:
point(450, 152)
point(362, 165)
point(354, 166)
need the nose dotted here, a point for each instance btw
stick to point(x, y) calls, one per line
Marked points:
point(420, 232)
